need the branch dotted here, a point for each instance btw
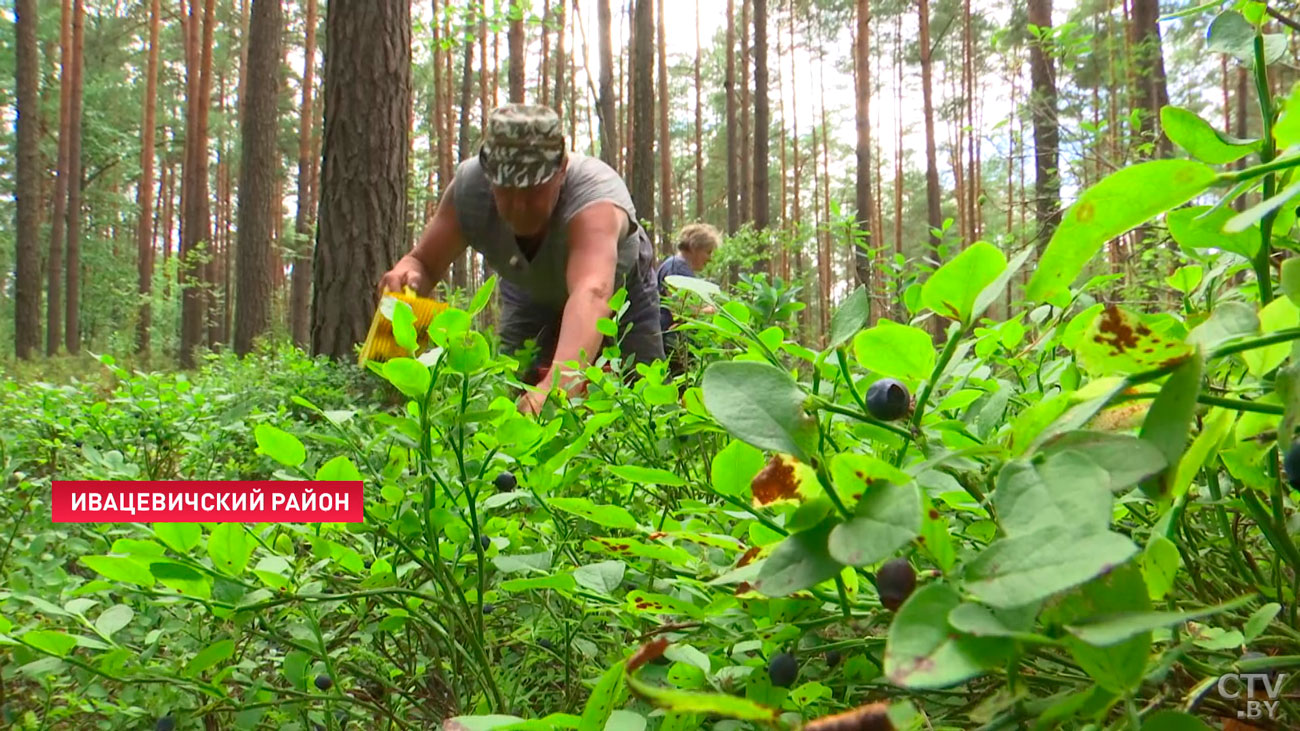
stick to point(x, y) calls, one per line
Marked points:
point(1293, 25)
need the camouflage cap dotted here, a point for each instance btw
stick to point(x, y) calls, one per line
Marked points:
point(523, 145)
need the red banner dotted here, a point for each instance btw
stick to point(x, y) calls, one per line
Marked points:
point(92, 501)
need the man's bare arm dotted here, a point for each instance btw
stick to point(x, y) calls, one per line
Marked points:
point(594, 234)
point(432, 255)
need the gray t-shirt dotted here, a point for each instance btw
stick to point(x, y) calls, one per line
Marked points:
point(588, 180)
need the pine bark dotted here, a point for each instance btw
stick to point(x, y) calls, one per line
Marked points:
point(300, 283)
point(1042, 72)
point(699, 124)
point(363, 179)
point(144, 232)
point(72, 321)
point(934, 215)
point(746, 180)
point(608, 115)
point(862, 109)
point(733, 173)
point(516, 54)
point(665, 142)
point(762, 119)
point(54, 264)
point(1150, 92)
point(27, 284)
point(257, 175)
point(643, 120)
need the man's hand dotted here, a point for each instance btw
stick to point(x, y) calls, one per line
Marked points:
point(409, 272)
point(532, 401)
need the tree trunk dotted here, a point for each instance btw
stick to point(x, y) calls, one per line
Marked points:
point(72, 322)
point(762, 119)
point(1150, 92)
point(665, 142)
point(1243, 97)
point(144, 197)
point(746, 181)
point(1042, 72)
point(54, 265)
point(27, 284)
point(300, 284)
point(458, 266)
point(484, 83)
point(699, 124)
point(257, 173)
point(608, 115)
point(934, 215)
point(557, 101)
point(643, 121)
point(195, 226)
point(544, 63)
point(516, 56)
point(862, 181)
point(733, 188)
point(363, 181)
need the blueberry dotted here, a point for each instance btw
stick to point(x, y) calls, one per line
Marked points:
point(489, 608)
point(166, 723)
point(895, 582)
point(1291, 463)
point(485, 542)
point(547, 644)
point(888, 399)
point(783, 669)
point(833, 658)
point(324, 682)
point(505, 481)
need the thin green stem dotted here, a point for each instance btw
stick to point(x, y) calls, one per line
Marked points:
point(1267, 152)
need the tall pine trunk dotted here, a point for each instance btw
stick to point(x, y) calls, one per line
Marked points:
point(665, 142)
point(257, 175)
point(1150, 92)
point(27, 284)
point(746, 180)
point(54, 265)
point(733, 174)
point(1047, 183)
point(643, 121)
point(300, 284)
point(364, 175)
point(144, 238)
point(605, 106)
point(762, 119)
point(862, 110)
point(517, 57)
point(699, 124)
point(72, 322)
point(934, 215)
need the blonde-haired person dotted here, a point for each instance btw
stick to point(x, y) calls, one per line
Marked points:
point(695, 246)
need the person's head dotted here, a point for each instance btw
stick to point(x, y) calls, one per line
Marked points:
point(696, 243)
point(523, 155)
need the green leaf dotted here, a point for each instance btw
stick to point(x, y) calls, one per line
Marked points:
point(467, 352)
point(800, 562)
point(1119, 341)
point(1186, 279)
point(610, 516)
point(1174, 721)
point(1260, 619)
point(230, 548)
point(1068, 493)
point(1231, 33)
point(113, 619)
point(998, 288)
point(181, 579)
point(483, 295)
point(339, 468)
point(625, 721)
point(850, 317)
point(1126, 459)
point(734, 468)
point(180, 537)
point(897, 351)
point(681, 701)
point(640, 601)
point(489, 722)
point(1215, 428)
point(1230, 320)
point(646, 475)
point(886, 519)
point(952, 290)
point(409, 376)
point(404, 325)
point(1109, 209)
point(604, 577)
point(1114, 629)
point(1198, 228)
point(1279, 314)
point(1118, 667)
point(1030, 567)
point(218, 651)
point(279, 445)
point(1202, 141)
point(118, 568)
point(703, 287)
point(923, 651)
point(1160, 562)
point(1170, 419)
point(978, 620)
point(523, 562)
point(294, 668)
point(1291, 279)
point(761, 405)
point(55, 643)
point(607, 327)
point(601, 701)
point(563, 582)
point(1257, 212)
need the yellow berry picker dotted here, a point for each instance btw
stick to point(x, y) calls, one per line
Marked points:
point(381, 344)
